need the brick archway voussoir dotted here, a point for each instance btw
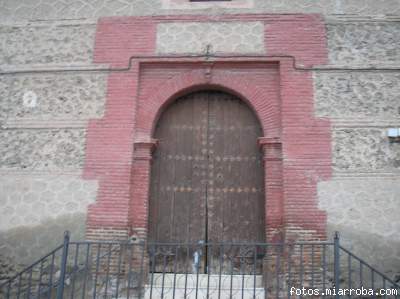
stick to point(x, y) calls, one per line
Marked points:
point(178, 85)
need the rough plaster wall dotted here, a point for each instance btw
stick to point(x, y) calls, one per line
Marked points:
point(42, 147)
point(11, 10)
point(61, 96)
point(366, 211)
point(41, 192)
point(46, 43)
point(225, 37)
point(362, 200)
point(358, 95)
point(364, 101)
point(28, 204)
point(364, 43)
point(364, 150)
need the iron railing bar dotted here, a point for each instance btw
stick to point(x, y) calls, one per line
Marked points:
point(108, 270)
point(349, 273)
point(152, 258)
point(221, 261)
point(277, 269)
point(86, 270)
point(8, 290)
point(312, 266)
point(28, 291)
point(49, 288)
point(163, 275)
point(208, 269)
point(118, 270)
point(267, 269)
point(384, 286)
point(19, 286)
point(75, 266)
point(324, 267)
point(254, 271)
point(234, 243)
point(336, 261)
point(242, 272)
point(197, 264)
point(130, 271)
point(40, 279)
point(175, 266)
point(30, 266)
point(373, 282)
point(370, 267)
point(289, 271)
point(187, 269)
point(142, 245)
point(97, 270)
point(63, 266)
point(301, 268)
point(231, 282)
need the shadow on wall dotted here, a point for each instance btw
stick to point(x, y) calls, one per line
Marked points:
point(381, 252)
point(21, 246)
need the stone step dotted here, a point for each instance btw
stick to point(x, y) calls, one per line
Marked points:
point(168, 293)
point(204, 280)
point(193, 286)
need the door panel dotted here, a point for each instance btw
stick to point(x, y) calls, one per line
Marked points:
point(207, 176)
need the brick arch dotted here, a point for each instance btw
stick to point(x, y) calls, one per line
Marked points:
point(266, 111)
point(150, 111)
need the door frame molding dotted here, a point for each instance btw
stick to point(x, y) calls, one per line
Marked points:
point(266, 110)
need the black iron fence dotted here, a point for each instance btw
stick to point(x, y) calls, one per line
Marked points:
point(203, 270)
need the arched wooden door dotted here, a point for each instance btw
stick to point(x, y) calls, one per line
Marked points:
point(207, 172)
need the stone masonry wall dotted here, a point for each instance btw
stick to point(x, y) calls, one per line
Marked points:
point(12, 11)
point(362, 199)
point(43, 120)
point(46, 43)
point(43, 146)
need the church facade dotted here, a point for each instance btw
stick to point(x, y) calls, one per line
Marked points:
point(212, 121)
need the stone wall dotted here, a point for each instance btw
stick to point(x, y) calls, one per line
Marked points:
point(46, 43)
point(43, 145)
point(373, 43)
point(365, 210)
point(60, 96)
point(371, 96)
point(37, 209)
point(362, 198)
point(12, 11)
point(44, 112)
point(44, 149)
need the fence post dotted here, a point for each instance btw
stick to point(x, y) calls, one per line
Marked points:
point(60, 289)
point(336, 256)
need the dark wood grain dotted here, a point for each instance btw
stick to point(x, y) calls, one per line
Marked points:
point(207, 173)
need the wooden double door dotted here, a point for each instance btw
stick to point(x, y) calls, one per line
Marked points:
point(207, 183)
